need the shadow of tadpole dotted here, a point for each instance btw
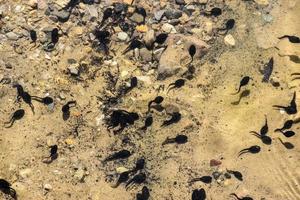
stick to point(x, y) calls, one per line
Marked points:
point(66, 115)
point(245, 93)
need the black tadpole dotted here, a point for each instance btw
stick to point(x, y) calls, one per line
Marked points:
point(290, 109)
point(145, 195)
point(118, 155)
point(179, 139)
point(33, 35)
point(139, 165)
point(291, 38)
point(245, 80)
point(124, 176)
point(44, 100)
point(216, 11)
point(287, 145)
point(66, 109)
point(287, 125)
point(288, 133)
point(6, 188)
point(17, 115)
point(137, 179)
point(148, 123)
point(253, 149)
point(199, 194)
point(192, 52)
point(204, 179)
point(161, 38)
point(53, 152)
point(54, 36)
point(135, 43)
point(175, 117)
point(238, 175)
point(157, 100)
point(177, 84)
point(106, 14)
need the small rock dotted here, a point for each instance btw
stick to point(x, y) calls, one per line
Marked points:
point(122, 36)
point(168, 28)
point(267, 18)
point(32, 3)
point(216, 175)
point(149, 38)
point(180, 2)
point(73, 69)
point(173, 14)
point(142, 28)
point(62, 15)
point(12, 36)
point(262, 2)
point(80, 174)
point(48, 187)
point(92, 11)
point(229, 40)
point(137, 18)
point(121, 170)
point(128, 1)
point(214, 163)
point(159, 14)
point(145, 55)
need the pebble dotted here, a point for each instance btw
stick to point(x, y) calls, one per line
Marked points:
point(12, 36)
point(80, 174)
point(92, 11)
point(262, 2)
point(122, 36)
point(267, 18)
point(229, 40)
point(159, 14)
point(137, 18)
point(149, 37)
point(121, 170)
point(173, 14)
point(180, 2)
point(48, 187)
point(168, 28)
point(73, 69)
point(62, 15)
point(142, 28)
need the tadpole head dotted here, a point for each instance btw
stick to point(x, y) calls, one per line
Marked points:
point(179, 82)
point(18, 114)
point(47, 100)
point(216, 11)
point(133, 82)
point(181, 139)
point(33, 35)
point(192, 50)
point(158, 100)
point(230, 24)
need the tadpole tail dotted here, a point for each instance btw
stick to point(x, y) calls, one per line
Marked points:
point(11, 123)
point(277, 106)
point(233, 194)
point(149, 105)
point(243, 151)
point(170, 88)
point(168, 141)
point(256, 135)
point(194, 180)
point(278, 130)
point(295, 74)
point(126, 50)
point(285, 36)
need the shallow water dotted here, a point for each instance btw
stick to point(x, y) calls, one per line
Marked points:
point(217, 126)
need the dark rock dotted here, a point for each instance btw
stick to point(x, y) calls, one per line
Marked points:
point(173, 14)
point(180, 2)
